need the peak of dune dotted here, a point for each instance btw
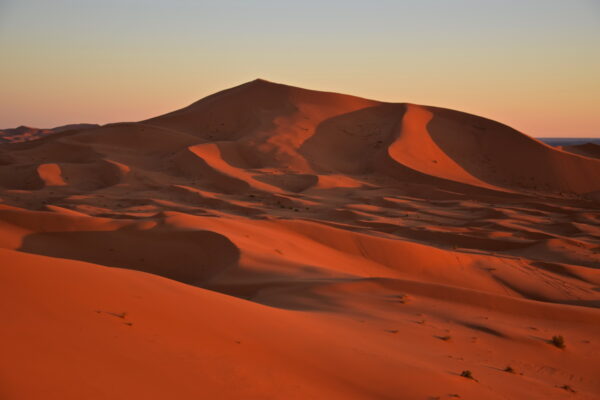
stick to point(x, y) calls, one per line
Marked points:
point(261, 81)
point(71, 127)
point(259, 90)
point(316, 132)
point(257, 84)
point(23, 129)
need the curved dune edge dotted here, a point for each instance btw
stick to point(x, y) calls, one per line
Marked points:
point(276, 242)
point(415, 149)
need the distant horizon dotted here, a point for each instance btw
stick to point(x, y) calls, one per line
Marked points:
point(567, 137)
point(71, 62)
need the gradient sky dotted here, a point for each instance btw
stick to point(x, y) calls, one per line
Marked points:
point(534, 65)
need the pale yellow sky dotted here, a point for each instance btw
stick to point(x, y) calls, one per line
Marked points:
point(530, 64)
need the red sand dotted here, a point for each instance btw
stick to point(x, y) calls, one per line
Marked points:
point(271, 242)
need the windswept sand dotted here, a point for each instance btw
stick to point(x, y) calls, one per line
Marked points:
point(272, 242)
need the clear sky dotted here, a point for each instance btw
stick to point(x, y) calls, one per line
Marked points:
point(532, 64)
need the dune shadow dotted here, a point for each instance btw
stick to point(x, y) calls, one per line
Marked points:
point(583, 303)
point(352, 142)
point(295, 183)
point(484, 329)
point(285, 293)
point(189, 257)
point(558, 269)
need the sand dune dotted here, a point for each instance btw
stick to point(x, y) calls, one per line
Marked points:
point(587, 149)
point(274, 242)
point(28, 133)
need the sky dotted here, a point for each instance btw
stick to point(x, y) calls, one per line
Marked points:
point(531, 64)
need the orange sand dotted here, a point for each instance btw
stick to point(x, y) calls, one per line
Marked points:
point(271, 242)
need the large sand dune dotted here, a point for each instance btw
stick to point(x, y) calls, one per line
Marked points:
point(272, 242)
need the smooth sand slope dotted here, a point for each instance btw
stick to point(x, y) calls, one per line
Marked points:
point(272, 242)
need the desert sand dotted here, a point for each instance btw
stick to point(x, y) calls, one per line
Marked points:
point(272, 242)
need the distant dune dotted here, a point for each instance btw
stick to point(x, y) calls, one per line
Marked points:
point(273, 242)
point(586, 149)
point(27, 133)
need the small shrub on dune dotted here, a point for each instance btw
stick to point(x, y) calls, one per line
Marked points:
point(558, 341)
point(467, 374)
point(567, 388)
